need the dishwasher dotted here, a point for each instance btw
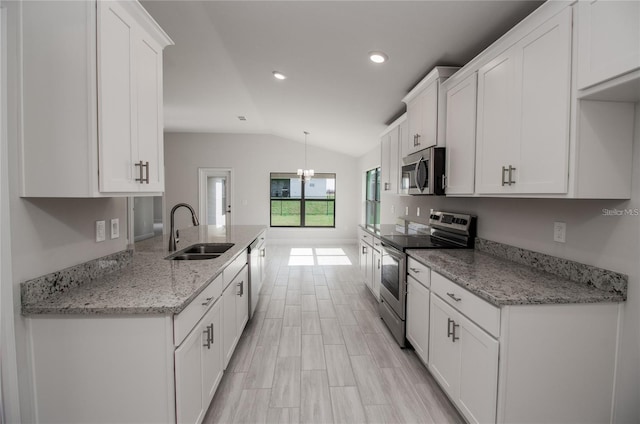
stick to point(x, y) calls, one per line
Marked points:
point(257, 258)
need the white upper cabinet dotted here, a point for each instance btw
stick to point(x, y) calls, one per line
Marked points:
point(523, 114)
point(103, 61)
point(460, 133)
point(425, 124)
point(390, 142)
point(608, 40)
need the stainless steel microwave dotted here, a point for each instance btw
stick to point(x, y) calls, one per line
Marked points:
point(423, 172)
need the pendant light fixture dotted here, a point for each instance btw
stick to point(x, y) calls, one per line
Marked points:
point(305, 174)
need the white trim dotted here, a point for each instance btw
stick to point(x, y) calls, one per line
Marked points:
point(310, 242)
point(9, 400)
point(203, 174)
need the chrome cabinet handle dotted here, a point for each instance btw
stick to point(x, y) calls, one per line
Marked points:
point(511, 180)
point(262, 253)
point(146, 166)
point(504, 169)
point(378, 263)
point(416, 270)
point(416, 140)
point(208, 301)
point(387, 186)
point(451, 330)
point(212, 336)
point(143, 166)
point(453, 296)
point(140, 178)
point(241, 285)
point(444, 181)
point(209, 333)
point(364, 250)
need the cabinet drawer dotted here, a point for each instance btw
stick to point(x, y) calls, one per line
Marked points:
point(481, 312)
point(419, 271)
point(366, 237)
point(375, 242)
point(234, 268)
point(184, 322)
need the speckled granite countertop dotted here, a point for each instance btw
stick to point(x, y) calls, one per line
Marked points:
point(150, 284)
point(503, 282)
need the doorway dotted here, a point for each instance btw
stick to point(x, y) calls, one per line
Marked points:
point(214, 188)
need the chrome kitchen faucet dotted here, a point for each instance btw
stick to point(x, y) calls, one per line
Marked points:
point(174, 238)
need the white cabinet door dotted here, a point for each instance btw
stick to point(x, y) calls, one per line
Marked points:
point(116, 35)
point(242, 300)
point(364, 249)
point(212, 359)
point(543, 76)
point(190, 407)
point(461, 136)
point(376, 277)
point(418, 303)
point(149, 113)
point(496, 127)
point(414, 118)
point(229, 325)
point(390, 160)
point(444, 353)
point(422, 114)
point(608, 40)
point(478, 386)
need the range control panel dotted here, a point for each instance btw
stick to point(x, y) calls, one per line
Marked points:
point(449, 220)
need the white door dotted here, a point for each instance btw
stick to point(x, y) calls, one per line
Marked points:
point(418, 317)
point(214, 185)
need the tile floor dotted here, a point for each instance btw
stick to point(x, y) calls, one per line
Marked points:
point(316, 351)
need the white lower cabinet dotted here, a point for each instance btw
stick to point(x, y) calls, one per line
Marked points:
point(235, 303)
point(376, 270)
point(198, 367)
point(371, 262)
point(418, 317)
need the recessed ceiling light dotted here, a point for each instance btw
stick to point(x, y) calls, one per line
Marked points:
point(378, 57)
point(279, 75)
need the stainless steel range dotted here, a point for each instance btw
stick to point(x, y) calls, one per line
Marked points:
point(446, 230)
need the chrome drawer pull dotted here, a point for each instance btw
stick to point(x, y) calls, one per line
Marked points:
point(416, 270)
point(453, 296)
point(208, 300)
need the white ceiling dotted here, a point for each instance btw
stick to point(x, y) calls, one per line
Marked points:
point(225, 51)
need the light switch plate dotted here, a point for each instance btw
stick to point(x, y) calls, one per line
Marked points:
point(115, 228)
point(559, 232)
point(406, 210)
point(100, 231)
point(418, 211)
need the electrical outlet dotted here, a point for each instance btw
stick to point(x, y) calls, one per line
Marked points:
point(115, 228)
point(559, 232)
point(418, 211)
point(406, 210)
point(100, 231)
point(393, 208)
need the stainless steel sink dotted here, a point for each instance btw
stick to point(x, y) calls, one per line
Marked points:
point(208, 248)
point(200, 251)
point(193, 256)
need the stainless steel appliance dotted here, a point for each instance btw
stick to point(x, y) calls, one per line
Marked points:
point(423, 172)
point(257, 256)
point(446, 231)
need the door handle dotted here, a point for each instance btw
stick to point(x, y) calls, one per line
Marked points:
point(241, 285)
point(504, 169)
point(208, 300)
point(453, 296)
point(511, 180)
point(451, 329)
point(207, 344)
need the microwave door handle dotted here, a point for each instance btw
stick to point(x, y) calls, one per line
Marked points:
point(416, 172)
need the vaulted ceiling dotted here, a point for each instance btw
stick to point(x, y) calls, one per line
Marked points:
point(225, 52)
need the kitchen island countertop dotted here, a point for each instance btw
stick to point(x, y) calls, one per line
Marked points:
point(151, 284)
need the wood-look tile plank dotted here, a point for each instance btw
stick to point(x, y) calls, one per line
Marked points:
point(263, 302)
point(292, 316)
point(326, 309)
point(309, 302)
point(283, 416)
point(437, 402)
point(290, 342)
point(369, 380)
point(345, 315)
point(405, 397)
point(241, 359)
point(338, 297)
point(276, 308)
point(255, 324)
point(319, 279)
point(315, 402)
point(312, 352)
point(293, 297)
point(382, 352)
point(322, 293)
point(331, 331)
point(294, 284)
point(346, 405)
point(367, 321)
point(355, 341)
point(225, 402)
point(338, 366)
point(260, 374)
point(254, 406)
point(270, 333)
point(279, 293)
point(307, 287)
point(384, 414)
point(311, 323)
point(286, 383)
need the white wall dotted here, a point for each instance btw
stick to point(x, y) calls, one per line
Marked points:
point(610, 242)
point(46, 234)
point(252, 157)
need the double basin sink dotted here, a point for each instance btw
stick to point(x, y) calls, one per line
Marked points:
point(200, 251)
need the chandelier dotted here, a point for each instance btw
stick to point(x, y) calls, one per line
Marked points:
point(305, 174)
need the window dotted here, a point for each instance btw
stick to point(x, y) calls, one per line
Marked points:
point(372, 199)
point(294, 204)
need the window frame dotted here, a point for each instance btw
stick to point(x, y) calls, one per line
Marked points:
point(302, 200)
point(375, 201)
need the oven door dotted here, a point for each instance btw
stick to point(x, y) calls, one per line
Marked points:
point(394, 283)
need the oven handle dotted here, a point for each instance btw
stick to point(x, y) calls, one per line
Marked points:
point(392, 251)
